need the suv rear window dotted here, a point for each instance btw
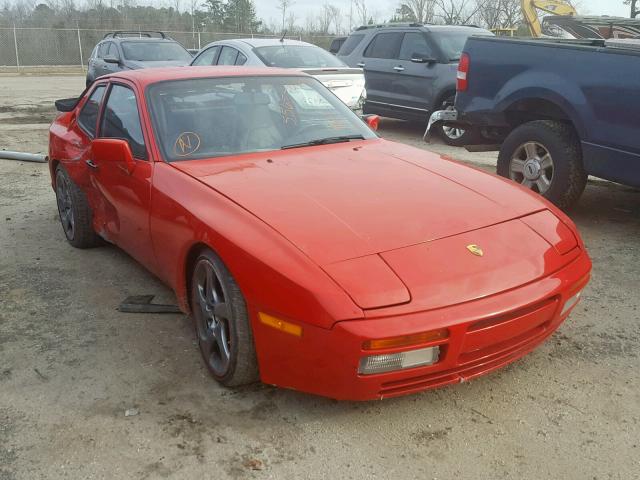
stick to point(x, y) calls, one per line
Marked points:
point(297, 56)
point(384, 45)
point(350, 44)
point(155, 52)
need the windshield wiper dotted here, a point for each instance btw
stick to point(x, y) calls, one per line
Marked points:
point(324, 141)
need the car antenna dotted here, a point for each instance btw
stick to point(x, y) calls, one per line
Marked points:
point(284, 34)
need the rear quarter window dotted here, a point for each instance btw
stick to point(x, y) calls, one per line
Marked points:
point(350, 44)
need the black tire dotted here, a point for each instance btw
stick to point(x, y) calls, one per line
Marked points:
point(230, 310)
point(468, 136)
point(568, 178)
point(74, 212)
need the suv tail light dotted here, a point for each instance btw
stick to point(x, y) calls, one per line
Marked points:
point(463, 71)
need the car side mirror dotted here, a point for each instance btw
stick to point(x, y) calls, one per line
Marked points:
point(106, 150)
point(111, 59)
point(422, 58)
point(372, 121)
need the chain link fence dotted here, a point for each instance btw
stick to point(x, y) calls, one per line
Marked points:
point(22, 48)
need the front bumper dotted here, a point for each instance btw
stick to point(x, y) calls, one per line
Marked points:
point(484, 335)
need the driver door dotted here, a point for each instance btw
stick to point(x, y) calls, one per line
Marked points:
point(124, 195)
point(414, 80)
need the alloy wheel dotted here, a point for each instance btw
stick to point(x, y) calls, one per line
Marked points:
point(452, 132)
point(532, 166)
point(213, 318)
point(65, 205)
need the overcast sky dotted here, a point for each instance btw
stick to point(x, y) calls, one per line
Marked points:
point(267, 9)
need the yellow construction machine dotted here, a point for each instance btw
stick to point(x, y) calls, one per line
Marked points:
point(530, 9)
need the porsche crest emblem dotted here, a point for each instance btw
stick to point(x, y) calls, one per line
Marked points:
point(475, 249)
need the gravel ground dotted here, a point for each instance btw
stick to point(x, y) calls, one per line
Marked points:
point(71, 365)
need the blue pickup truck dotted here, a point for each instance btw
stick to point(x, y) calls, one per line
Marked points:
point(559, 110)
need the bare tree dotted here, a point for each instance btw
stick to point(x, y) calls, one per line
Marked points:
point(420, 10)
point(635, 8)
point(283, 6)
point(511, 13)
point(458, 12)
point(491, 15)
point(336, 19)
point(500, 14)
point(291, 23)
point(324, 19)
point(310, 25)
point(68, 7)
point(362, 12)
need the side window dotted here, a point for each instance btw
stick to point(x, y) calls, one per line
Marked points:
point(88, 117)
point(207, 57)
point(351, 43)
point(241, 60)
point(228, 56)
point(102, 50)
point(113, 50)
point(384, 45)
point(122, 120)
point(415, 44)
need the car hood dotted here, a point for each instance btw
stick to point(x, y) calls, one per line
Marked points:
point(350, 200)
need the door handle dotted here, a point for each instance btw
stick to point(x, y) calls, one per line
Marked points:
point(91, 164)
point(361, 65)
point(398, 68)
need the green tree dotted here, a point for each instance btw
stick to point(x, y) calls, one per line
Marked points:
point(240, 16)
point(215, 15)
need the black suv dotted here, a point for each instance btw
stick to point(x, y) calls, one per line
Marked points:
point(410, 69)
point(132, 50)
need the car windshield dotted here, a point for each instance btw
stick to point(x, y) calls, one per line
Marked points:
point(297, 56)
point(214, 117)
point(452, 43)
point(155, 52)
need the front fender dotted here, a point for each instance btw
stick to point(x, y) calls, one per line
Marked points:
point(273, 275)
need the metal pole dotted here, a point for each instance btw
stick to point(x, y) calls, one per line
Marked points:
point(15, 44)
point(23, 157)
point(199, 46)
point(80, 48)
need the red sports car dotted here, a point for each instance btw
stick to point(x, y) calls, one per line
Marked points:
point(310, 253)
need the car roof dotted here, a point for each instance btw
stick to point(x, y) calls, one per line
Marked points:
point(138, 39)
point(148, 76)
point(261, 42)
point(427, 28)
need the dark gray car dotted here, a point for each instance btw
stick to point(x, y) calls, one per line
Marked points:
point(410, 69)
point(133, 50)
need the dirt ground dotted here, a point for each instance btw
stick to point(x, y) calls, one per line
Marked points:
point(71, 365)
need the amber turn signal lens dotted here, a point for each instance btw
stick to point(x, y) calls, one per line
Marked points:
point(286, 327)
point(406, 340)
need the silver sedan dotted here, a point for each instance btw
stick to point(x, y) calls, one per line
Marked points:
point(345, 82)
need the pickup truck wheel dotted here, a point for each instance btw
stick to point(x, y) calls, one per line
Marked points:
point(222, 323)
point(545, 157)
point(74, 211)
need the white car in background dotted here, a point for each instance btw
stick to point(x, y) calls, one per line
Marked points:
point(345, 82)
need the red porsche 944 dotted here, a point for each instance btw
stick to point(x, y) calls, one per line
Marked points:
point(310, 253)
